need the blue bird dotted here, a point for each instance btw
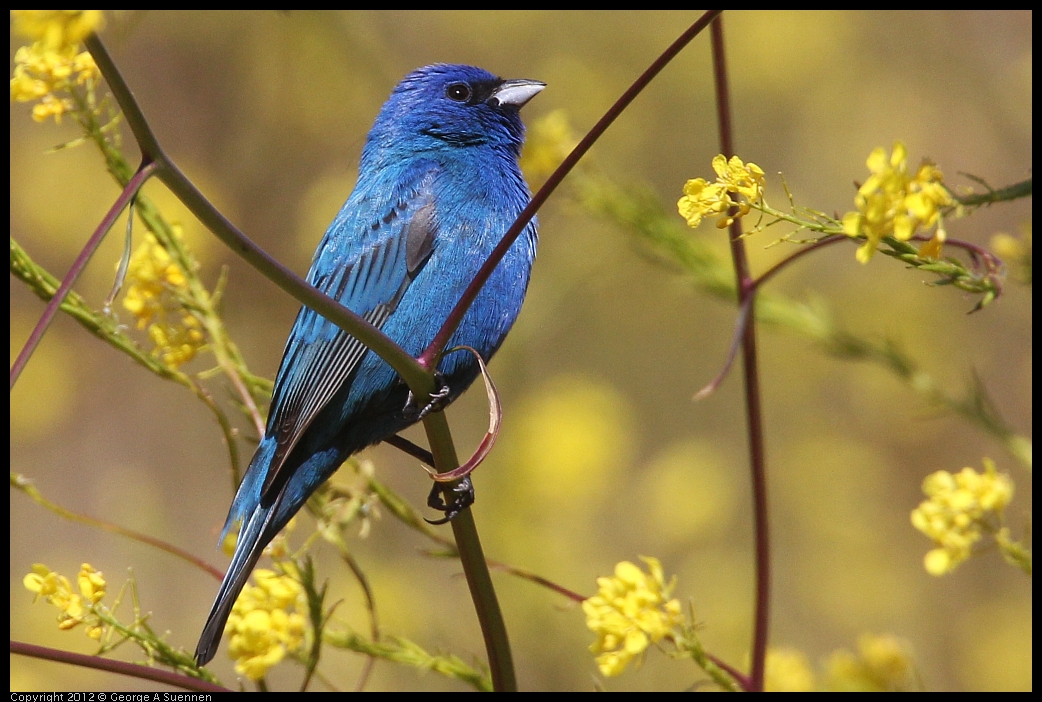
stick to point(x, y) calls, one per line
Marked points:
point(438, 186)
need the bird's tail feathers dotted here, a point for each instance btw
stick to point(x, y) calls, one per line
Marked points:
point(248, 550)
point(247, 497)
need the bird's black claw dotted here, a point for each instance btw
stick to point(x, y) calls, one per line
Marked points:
point(437, 401)
point(461, 496)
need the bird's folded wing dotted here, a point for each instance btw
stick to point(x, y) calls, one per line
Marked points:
point(320, 357)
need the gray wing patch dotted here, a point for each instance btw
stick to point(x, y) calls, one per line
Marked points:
point(419, 239)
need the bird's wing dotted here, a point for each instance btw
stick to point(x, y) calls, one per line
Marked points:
point(319, 356)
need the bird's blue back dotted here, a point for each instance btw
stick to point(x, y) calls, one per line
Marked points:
point(438, 186)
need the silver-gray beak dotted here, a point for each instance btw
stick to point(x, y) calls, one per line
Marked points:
point(515, 92)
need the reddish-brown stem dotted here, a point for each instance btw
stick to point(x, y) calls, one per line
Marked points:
point(33, 494)
point(537, 579)
point(976, 252)
point(134, 670)
point(144, 172)
point(743, 680)
point(736, 342)
point(429, 357)
point(827, 241)
point(744, 317)
point(753, 403)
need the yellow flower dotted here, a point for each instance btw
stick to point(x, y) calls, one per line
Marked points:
point(630, 612)
point(56, 29)
point(1015, 251)
point(933, 247)
point(255, 645)
point(72, 611)
point(735, 180)
point(177, 343)
point(92, 583)
point(956, 512)
point(261, 631)
point(892, 203)
point(550, 139)
point(155, 284)
point(883, 664)
point(278, 548)
point(51, 106)
point(787, 670)
point(702, 199)
point(50, 74)
point(58, 591)
point(737, 177)
point(231, 539)
point(41, 581)
point(886, 657)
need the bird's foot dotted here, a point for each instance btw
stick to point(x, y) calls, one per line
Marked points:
point(461, 496)
point(414, 413)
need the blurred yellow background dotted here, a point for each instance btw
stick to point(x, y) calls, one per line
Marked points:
point(603, 456)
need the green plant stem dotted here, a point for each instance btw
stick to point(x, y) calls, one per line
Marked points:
point(472, 557)
point(469, 546)
point(407, 653)
point(370, 604)
point(1010, 192)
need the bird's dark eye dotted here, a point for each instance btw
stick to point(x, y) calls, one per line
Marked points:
point(460, 92)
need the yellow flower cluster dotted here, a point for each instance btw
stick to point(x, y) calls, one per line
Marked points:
point(57, 28)
point(52, 67)
point(955, 514)
point(260, 628)
point(787, 670)
point(550, 139)
point(882, 664)
point(48, 74)
point(893, 203)
point(56, 588)
point(734, 180)
point(630, 612)
point(1015, 251)
point(154, 282)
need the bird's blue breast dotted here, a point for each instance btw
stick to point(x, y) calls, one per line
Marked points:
point(475, 201)
point(475, 204)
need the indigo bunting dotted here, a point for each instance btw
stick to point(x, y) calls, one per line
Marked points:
point(438, 186)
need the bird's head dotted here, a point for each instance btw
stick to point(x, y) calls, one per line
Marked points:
point(453, 106)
